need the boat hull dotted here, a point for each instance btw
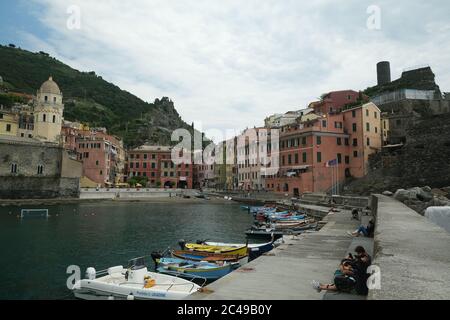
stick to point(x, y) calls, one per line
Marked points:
point(115, 286)
point(217, 249)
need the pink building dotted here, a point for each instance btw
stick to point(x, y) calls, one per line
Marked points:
point(336, 101)
point(155, 164)
point(103, 155)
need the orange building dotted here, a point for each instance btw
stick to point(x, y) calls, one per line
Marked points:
point(319, 154)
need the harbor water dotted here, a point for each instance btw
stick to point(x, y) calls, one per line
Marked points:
point(36, 252)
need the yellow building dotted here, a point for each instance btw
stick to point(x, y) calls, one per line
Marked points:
point(48, 112)
point(9, 123)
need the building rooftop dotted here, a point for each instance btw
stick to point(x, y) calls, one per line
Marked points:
point(50, 86)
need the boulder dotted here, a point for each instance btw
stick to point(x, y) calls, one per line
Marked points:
point(402, 195)
point(424, 194)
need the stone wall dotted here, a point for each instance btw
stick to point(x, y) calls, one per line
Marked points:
point(423, 161)
point(38, 187)
point(411, 254)
point(27, 156)
point(59, 178)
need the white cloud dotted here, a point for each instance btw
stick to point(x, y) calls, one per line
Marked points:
point(230, 63)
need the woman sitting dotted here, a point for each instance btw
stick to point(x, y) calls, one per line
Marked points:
point(344, 279)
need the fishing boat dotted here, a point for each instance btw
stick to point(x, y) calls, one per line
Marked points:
point(235, 260)
point(189, 268)
point(135, 282)
point(254, 250)
point(225, 250)
point(255, 210)
point(291, 224)
point(265, 233)
point(287, 218)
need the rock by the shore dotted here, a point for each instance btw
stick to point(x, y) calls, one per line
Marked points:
point(419, 199)
point(423, 194)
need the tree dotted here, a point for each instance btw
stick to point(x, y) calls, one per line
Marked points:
point(138, 180)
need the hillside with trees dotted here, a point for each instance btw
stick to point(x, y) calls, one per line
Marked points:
point(90, 99)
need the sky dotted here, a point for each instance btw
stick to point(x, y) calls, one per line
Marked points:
point(229, 64)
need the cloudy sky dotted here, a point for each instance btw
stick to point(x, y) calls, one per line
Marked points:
point(228, 64)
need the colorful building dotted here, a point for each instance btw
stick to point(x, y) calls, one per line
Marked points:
point(9, 123)
point(319, 154)
point(250, 159)
point(336, 101)
point(155, 164)
point(102, 155)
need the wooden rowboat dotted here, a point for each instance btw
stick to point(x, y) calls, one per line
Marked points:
point(206, 256)
point(225, 250)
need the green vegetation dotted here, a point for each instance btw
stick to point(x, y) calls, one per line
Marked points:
point(90, 99)
point(138, 180)
point(8, 100)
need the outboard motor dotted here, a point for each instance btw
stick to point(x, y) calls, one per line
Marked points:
point(182, 244)
point(155, 256)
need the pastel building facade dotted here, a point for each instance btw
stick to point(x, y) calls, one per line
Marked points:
point(155, 163)
point(319, 154)
point(250, 152)
point(102, 155)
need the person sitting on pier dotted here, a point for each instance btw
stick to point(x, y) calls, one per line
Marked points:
point(360, 262)
point(344, 279)
point(365, 231)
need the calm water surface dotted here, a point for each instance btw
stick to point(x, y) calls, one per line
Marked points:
point(36, 252)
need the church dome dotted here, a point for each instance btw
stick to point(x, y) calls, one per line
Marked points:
point(50, 86)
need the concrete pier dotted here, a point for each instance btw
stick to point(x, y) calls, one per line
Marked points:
point(286, 272)
point(413, 254)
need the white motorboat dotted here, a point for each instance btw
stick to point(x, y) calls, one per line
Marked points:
point(135, 282)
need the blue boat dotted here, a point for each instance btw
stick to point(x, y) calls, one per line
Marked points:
point(255, 210)
point(190, 269)
point(291, 218)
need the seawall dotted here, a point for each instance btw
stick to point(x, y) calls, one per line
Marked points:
point(413, 254)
